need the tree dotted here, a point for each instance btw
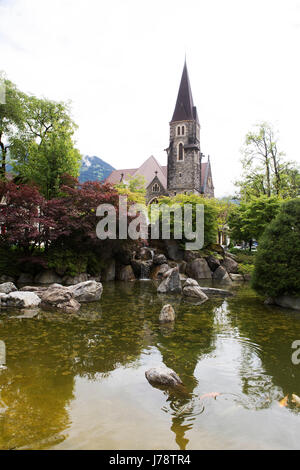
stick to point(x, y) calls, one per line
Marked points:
point(43, 150)
point(248, 220)
point(11, 119)
point(278, 258)
point(265, 170)
point(134, 189)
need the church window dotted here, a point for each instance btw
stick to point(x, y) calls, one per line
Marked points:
point(178, 130)
point(155, 188)
point(182, 130)
point(180, 152)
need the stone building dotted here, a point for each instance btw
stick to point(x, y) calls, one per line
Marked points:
point(186, 171)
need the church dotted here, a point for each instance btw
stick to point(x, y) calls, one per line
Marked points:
point(188, 170)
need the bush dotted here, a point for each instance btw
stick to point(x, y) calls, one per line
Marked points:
point(278, 257)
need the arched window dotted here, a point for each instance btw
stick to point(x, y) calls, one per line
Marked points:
point(180, 152)
point(178, 130)
point(182, 130)
point(155, 188)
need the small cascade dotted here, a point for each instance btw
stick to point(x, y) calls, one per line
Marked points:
point(146, 266)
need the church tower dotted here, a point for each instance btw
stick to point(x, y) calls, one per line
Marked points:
point(184, 155)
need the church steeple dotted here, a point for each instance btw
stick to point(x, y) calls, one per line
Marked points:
point(184, 109)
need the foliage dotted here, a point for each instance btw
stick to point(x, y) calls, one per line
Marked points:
point(265, 170)
point(248, 220)
point(43, 149)
point(134, 189)
point(278, 258)
point(211, 211)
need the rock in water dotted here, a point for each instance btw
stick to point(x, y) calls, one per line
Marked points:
point(167, 314)
point(61, 298)
point(222, 275)
point(171, 282)
point(89, 291)
point(191, 288)
point(162, 376)
point(7, 288)
point(198, 269)
point(20, 300)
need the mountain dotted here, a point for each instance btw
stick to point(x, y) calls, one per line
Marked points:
point(94, 169)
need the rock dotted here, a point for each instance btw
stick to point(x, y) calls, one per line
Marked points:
point(59, 298)
point(191, 288)
point(88, 291)
point(159, 259)
point(237, 277)
point(162, 376)
point(109, 272)
point(182, 267)
point(141, 268)
point(126, 274)
point(20, 300)
point(144, 254)
point(170, 283)
point(212, 291)
point(158, 271)
point(190, 255)
point(183, 277)
point(221, 274)
point(25, 278)
point(167, 314)
point(173, 250)
point(213, 262)
point(230, 265)
point(287, 301)
point(7, 287)
point(198, 269)
point(71, 280)
point(47, 277)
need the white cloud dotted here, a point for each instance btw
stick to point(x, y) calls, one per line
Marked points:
point(120, 63)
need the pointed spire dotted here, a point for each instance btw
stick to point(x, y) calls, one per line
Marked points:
point(184, 108)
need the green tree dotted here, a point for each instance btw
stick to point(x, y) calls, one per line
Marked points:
point(134, 189)
point(248, 220)
point(11, 119)
point(43, 150)
point(265, 171)
point(278, 258)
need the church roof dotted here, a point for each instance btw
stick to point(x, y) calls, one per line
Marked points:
point(147, 169)
point(184, 108)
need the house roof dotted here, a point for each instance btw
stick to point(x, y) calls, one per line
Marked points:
point(184, 108)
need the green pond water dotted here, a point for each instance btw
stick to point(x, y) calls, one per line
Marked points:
point(78, 382)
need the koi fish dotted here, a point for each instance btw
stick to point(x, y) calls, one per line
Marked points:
point(284, 401)
point(210, 395)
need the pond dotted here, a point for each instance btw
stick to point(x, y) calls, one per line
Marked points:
point(78, 382)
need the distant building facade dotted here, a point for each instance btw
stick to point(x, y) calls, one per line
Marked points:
point(186, 172)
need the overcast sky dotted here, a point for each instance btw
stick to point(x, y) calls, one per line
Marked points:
point(120, 64)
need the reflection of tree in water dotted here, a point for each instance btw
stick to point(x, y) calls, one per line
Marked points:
point(191, 339)
point(267, 334)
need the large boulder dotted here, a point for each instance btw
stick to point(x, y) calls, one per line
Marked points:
point(171, 282)
point(191, 288)
point(237, 277)
point(230, 265)
point(89, 291)
point(47, 277)
point(221, 274)
point(7, 287)
point(71, 280)
point(285, 301)
point(60, 298)
point(158, 271)
point(198, 269)
point(141, 268)
point(126, 274)
point(213, 262)
point(190, 255)
point(162, 376)
point(20, 300)
point(167, 314)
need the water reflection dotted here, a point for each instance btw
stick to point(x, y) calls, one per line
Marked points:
point(236, 347)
